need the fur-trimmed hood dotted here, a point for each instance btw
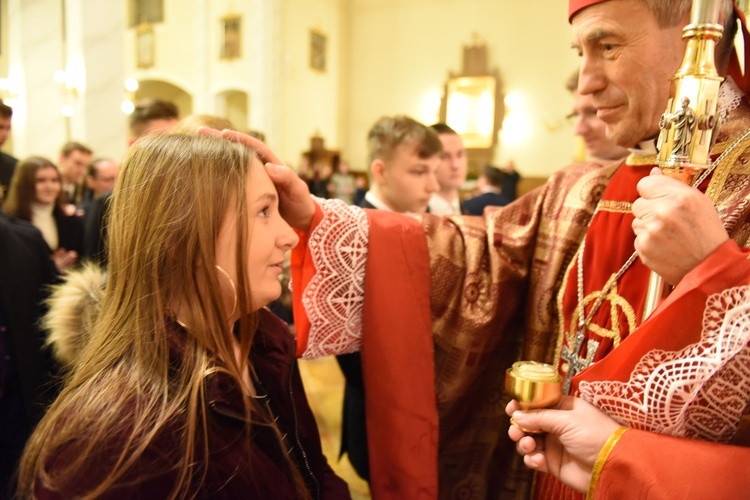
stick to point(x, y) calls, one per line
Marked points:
point(73, 307)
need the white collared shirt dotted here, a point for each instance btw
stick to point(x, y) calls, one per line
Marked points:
point(440, 206)
point(377, 202)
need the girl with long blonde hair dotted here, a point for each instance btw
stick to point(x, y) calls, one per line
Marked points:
point(187, 387)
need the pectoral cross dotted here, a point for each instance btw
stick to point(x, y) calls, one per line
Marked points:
point(576, 363)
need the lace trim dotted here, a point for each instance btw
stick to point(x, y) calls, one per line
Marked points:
point(729, 98)
point(334, 298)
point(698, 392)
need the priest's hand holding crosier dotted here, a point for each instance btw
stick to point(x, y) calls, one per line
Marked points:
point(295, 204)
point(676, 226)
point(574, 434)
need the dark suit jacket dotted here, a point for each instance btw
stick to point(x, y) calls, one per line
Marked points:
point(476, 205)
point(95, 230)
point(69, 231)
point(7, 167)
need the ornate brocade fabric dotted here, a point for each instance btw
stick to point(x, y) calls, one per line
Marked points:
point(494, 278)
point(495, 285)
point(495, 282)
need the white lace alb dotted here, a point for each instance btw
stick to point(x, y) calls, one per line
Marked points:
point(699, 392)
point(334, 298)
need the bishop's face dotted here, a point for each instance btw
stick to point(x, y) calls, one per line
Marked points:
point(627, 63)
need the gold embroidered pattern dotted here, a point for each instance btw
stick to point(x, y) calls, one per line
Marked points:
point(620, 207)
point(721, 173)
point(639, 160)
point(617, 303)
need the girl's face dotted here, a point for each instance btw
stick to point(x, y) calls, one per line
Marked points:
point(48, 187)
point(269, 238)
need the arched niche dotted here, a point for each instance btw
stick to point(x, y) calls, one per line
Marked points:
point(233, 105)
point(159, 89)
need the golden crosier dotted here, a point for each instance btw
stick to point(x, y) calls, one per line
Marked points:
point(688, 123)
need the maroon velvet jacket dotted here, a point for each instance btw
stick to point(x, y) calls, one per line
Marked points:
point(238, 467)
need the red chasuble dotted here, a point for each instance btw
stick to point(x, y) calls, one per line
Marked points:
point(607, 341)
point(609, 243)
point(608, 246)
point(476, 271)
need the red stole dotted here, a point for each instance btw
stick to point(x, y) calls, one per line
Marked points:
point(397, 355)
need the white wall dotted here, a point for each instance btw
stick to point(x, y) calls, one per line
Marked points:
point(287, 100)
point(384, 57)
point(402, 51)
point(311, 99)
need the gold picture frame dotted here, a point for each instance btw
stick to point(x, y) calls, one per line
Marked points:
point(318, 50)
point(145, 47)
point(230, 46)
point(146, 12)
point(470, 109)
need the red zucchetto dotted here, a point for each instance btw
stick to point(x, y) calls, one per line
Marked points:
point(574, 6)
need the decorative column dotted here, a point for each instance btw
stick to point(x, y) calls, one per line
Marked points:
point(95, 57)
point(35, 51)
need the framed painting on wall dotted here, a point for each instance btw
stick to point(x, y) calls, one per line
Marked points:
point(231, 37)
point(318, 49)
point(146, 12)
point(470, 109)
point(144, 47)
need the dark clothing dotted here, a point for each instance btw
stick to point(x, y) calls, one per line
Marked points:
point(69, 231)
point(74, 194)
point(359, 196)
point(7, 167)
point(353, 422)
point(95, 230)
point(25, 368)
point(319, 188)
point(476, 205)
point(240, 465)
point(509, 184)
point(365, 203)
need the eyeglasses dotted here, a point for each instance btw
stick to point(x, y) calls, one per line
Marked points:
point(583, 114)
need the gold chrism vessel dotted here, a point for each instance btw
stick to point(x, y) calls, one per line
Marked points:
point(533, 385)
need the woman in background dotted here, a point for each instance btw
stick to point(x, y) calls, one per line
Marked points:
point(36, 196)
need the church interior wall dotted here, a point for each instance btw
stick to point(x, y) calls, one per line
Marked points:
point(383, 57)
point(402, 52)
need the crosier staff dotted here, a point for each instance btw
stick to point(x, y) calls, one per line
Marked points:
point(688, 124)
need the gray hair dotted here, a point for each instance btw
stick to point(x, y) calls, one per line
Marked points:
point(669, 13)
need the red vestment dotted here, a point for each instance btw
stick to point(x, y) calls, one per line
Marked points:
point(494, 287)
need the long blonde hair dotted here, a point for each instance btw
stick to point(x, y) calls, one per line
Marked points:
point(166, 211)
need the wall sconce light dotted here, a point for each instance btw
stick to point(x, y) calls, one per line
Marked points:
point(71, 84)
point(8, 92)
point(128, 104)
point(517, 126)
